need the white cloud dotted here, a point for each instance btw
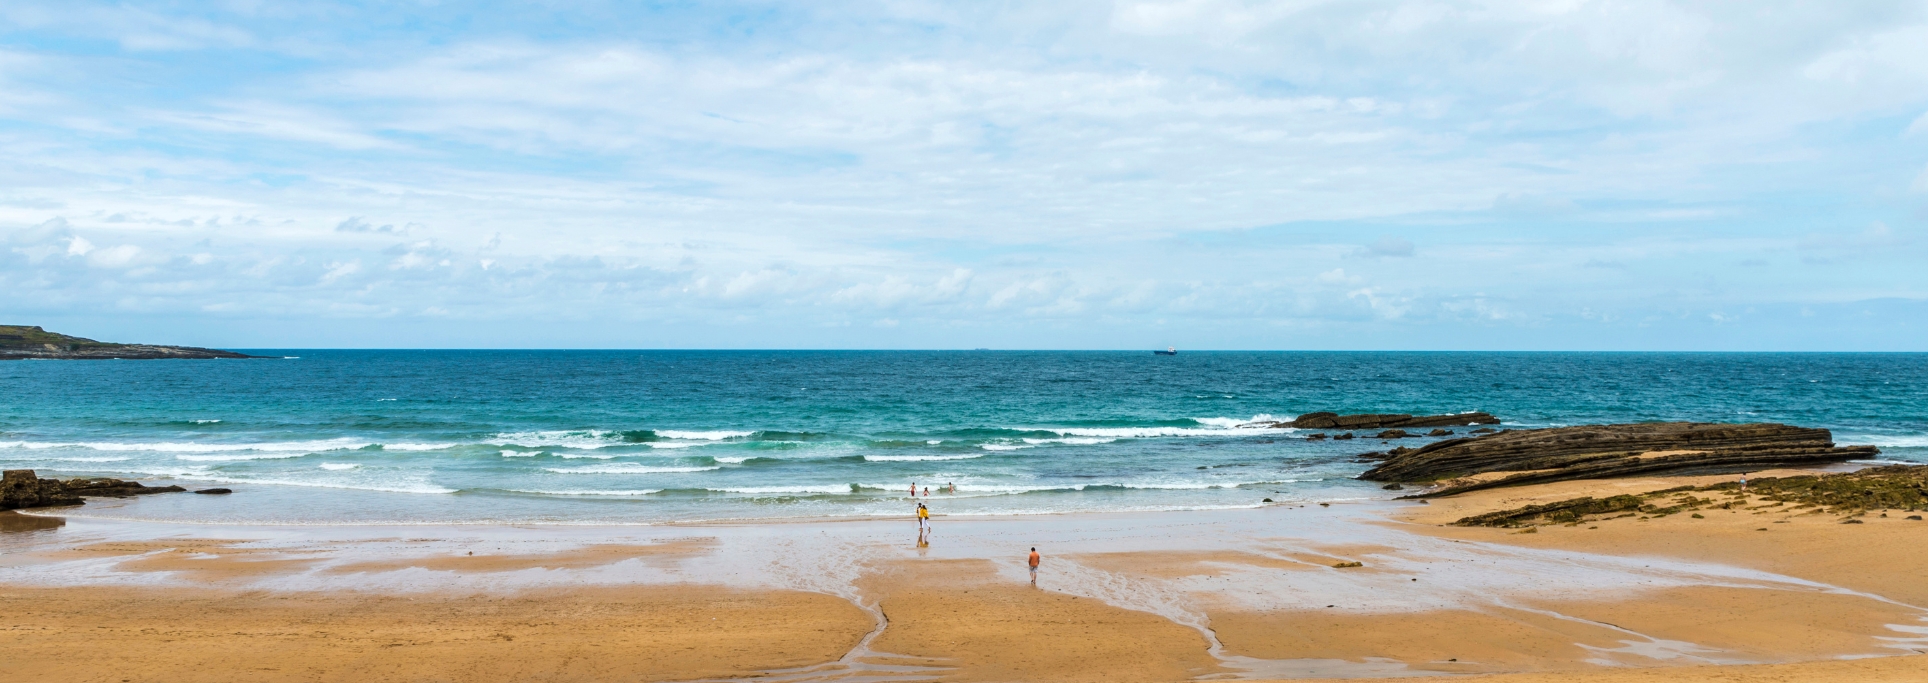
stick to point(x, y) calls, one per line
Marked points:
point(113, 257)
point(1197, 162)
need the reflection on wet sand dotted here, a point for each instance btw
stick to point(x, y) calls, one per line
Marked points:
point(1368, 589)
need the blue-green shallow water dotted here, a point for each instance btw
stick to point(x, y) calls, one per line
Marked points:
point(627, 436)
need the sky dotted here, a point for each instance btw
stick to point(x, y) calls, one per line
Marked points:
point(1206, 174)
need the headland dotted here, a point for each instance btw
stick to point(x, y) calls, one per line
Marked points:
point(29, 342)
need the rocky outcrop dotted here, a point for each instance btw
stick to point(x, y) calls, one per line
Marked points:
point(1534, 456)
point(24, 489)
point(21, 342)
point(1379, 421)
point(113, 488)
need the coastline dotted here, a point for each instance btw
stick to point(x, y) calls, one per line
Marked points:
point(1150, 596)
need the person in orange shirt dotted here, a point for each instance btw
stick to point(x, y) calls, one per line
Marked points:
point(1034, 566)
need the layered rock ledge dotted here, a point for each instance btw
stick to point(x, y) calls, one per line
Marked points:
point(1379, 421)
point(1537, 456)
point(29, 342)
point(24, 489)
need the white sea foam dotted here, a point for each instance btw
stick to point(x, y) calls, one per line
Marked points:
point(1073, 440)
point(193, 447)
point(338, 466)
point(403, 486)
point(1000, 446)
point(36, 458)
point(828, 488)
point(232, 457)
point(205, 422)
point(732, 459)
point(1234, 423)
point(575, 438)
point(151, 470)
point(416, 446)
point(520, 454)
point(677, 444)
point(1148, 432)
point(934, 442)
point(398, 487)
point(630, 468)
point(635, 492)
point(1883, 440)
point(716, 435)
point(920, 458)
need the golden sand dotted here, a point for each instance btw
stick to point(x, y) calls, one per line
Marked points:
point(965, 619)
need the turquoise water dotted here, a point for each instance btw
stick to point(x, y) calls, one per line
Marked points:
point(615, 436)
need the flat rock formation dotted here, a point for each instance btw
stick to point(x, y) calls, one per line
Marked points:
point(1537, 456)
point(20, 342)
point(1849, 494)
point(1379, 421)
point(24, 489)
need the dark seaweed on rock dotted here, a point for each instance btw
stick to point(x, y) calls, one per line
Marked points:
point(1896, 487)
point(24, 489)
point(1602, 451)
point(1381, 421)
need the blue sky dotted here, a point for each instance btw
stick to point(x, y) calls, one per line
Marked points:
point(1548, 174)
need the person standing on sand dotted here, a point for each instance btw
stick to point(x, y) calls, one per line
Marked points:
point(1034, 566)
point(1743, 482)
point(923, 516)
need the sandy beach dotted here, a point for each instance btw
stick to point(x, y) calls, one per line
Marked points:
point(1164, 596)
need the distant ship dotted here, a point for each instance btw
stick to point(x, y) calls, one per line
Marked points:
point(1169, 351)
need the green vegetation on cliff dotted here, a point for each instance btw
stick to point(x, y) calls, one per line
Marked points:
point(19, 342)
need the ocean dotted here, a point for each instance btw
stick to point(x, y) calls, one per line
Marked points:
point(647, 437)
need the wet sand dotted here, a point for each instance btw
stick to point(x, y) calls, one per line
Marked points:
point(581, 634)
point(1250, 594)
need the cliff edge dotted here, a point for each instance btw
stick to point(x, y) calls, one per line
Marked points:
point(23, 342)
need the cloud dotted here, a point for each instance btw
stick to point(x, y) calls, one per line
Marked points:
point(1048, 170)
point(358, 224)
point(1388, 247)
